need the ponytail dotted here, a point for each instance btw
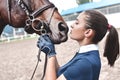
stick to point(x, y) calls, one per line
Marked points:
point(112, 46)
point(99, 23)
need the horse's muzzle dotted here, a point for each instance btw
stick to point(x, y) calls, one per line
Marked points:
point(59, 34)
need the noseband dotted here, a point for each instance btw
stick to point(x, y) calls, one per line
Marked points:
point(41, 26)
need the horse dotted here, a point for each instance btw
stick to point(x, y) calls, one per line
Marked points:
point(35, 16)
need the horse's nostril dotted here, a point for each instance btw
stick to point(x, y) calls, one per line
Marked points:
point(61, 26)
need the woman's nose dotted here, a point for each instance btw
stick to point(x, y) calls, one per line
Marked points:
point(71, 26)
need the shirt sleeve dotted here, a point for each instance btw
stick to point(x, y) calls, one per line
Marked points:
point(80, 70)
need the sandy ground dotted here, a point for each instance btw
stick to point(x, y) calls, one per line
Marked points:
point(18, 60)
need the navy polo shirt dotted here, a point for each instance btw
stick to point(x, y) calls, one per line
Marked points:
point(85, 65)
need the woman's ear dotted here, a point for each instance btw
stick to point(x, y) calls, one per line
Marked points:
point(89, 33)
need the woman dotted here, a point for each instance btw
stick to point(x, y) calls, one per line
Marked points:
point(89, 28)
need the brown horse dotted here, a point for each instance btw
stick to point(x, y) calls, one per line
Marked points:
point(36, 16)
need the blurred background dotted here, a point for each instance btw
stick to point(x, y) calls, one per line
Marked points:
point(18, 51)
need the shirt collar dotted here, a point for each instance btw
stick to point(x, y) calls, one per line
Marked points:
point(88, 48)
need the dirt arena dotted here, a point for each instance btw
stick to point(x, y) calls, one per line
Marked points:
point(18, 60)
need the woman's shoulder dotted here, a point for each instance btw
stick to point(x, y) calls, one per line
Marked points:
point(92, 57)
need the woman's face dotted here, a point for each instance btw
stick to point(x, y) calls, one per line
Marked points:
point(78, 28)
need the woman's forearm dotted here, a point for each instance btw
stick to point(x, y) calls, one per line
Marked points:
point(52, 67)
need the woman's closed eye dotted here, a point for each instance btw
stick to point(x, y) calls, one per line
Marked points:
point(76, 22)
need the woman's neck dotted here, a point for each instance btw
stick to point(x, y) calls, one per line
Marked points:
point(83, 43)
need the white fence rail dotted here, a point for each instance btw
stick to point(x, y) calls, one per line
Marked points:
point(14, 38)
point(17, 34)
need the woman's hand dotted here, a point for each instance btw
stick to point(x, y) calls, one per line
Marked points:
point(46, 45)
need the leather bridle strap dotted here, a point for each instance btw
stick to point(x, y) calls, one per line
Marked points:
point(41, 9)
point(9, 11)
point(45, 65)
point(35, 13)
point(26, 9)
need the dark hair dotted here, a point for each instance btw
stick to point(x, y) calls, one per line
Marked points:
point(98, 22)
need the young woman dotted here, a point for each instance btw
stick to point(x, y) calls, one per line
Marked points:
point(89, 28)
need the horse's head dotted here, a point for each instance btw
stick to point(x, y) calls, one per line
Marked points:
point(45, 19)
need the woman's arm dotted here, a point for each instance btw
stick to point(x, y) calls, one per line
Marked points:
point(52, 67)
point(51, 70)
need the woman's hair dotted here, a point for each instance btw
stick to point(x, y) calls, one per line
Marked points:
point(98, 22)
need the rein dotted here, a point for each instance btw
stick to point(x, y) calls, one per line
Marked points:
point(39, 60)
point(9, 10)
point(29, 22)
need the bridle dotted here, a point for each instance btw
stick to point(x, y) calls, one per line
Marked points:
point(42, 26)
